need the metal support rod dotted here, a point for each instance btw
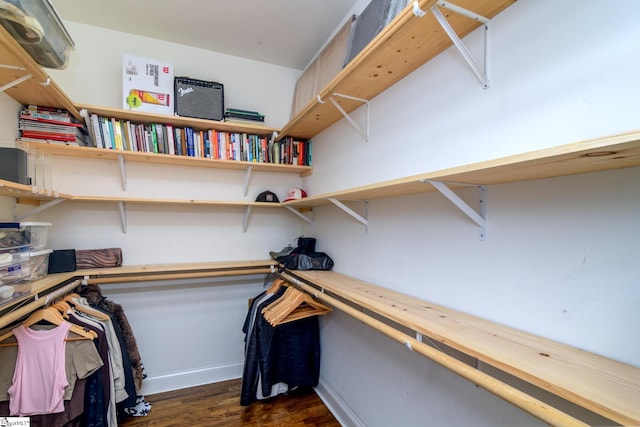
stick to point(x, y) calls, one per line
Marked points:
point(299, 214)
point(349, 211)
point(40, 208)
point(247, 178)
point(481, 74)
point(363, 132)
point(123, 172)
point(123, 216)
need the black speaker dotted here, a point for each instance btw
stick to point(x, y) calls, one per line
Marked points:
point(198, 98)
point(13, 165)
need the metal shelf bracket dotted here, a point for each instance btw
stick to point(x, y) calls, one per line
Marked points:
point(247, 178)
point(351, 212)
point(364, 133)
point(481, 73)
point(299, 214)
point(45, 206)
point(245, 219)
point(480, 217)
point(20, 79)
point(123, 172)
point(123, 216)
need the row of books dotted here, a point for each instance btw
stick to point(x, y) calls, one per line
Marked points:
point(50, 124)
point(119, 134)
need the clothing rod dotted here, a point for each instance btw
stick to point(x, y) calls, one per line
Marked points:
point(518, 398)
point(176, 276)
point(29, 308)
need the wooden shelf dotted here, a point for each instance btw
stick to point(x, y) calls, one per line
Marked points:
point(405, 44)
point(132, 273)
point(37, 90)
point(176, 202)
point(163, 159)
point(21, 191)
point(603, 386)
point(612, 152)
point(178, 121)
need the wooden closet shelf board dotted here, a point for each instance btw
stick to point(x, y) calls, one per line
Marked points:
point(35, 90)
point(13, 189)
point(401, 47)
point(185, 202)
point(601, 385)
point(613, 152)
point(177, 121)
point(162, 159)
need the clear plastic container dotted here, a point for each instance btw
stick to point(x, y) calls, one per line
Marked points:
point(16, 234)
point(15, 255)
point(39, 264)
point(37, 234)
point(36, 25)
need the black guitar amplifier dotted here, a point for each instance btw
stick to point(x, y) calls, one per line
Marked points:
point(198, 98)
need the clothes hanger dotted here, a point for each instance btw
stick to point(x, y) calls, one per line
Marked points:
point(293, 305)
point(63, 307)
point(54, 317)
point(276, 285)
point(75, 299)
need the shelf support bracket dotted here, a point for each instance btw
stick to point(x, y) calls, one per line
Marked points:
point(364, 133)
point(247, 178)
point(45, 206)
point(350, 211)
point(123, 172)
point(123, 216)
point(482, 74)
point(245, 220)
point(299, 214)
point(479, 218)
point(15, 82)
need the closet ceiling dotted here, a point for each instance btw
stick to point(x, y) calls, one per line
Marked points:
point(282, 32)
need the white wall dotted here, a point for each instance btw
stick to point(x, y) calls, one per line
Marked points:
point(94, 73)
point(559, 259)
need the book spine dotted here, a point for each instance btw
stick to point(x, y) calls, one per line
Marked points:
point(190, 142)
point(171, 139)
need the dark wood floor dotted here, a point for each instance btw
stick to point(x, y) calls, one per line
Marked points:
point(219, 405)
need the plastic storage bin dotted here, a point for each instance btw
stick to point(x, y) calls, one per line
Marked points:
point(36, 233)
point(39, 264)
point(15, 255)
point(38, 28)
point(13, 234)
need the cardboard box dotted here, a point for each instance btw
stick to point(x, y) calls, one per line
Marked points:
point(147, 85)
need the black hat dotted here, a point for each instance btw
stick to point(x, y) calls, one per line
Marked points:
point(267, 196)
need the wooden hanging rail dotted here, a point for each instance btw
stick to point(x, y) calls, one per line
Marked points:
point(124, 274)
point(603, 386)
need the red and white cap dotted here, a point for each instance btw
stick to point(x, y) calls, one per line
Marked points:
point(295, 194)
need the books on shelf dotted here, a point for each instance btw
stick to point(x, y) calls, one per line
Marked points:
point(52, 125)
point(166, 138)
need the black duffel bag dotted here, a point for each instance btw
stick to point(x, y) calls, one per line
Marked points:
point(307, 261)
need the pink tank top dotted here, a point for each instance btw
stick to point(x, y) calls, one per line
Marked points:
point(39, 378)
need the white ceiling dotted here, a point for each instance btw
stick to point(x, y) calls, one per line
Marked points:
point(282, 32)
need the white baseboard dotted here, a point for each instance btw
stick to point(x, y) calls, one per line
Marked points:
point(337, 406)
point(179, 380)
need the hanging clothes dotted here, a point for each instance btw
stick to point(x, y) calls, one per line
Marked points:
point(278, 358)
point(39, 377)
